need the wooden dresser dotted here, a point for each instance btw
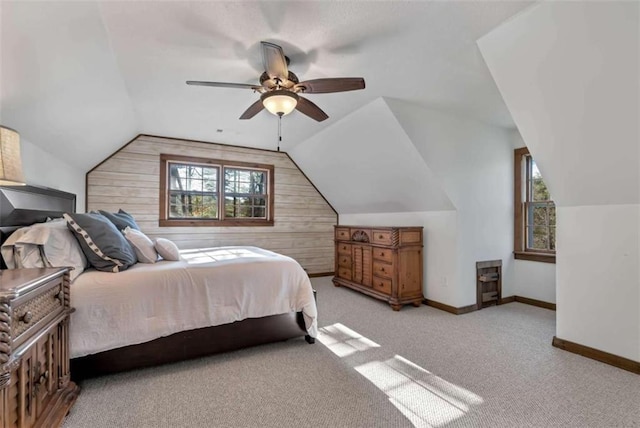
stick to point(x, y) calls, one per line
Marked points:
point(382, 262)
point(35, 385)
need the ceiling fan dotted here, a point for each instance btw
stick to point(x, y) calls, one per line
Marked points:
point(281, 88)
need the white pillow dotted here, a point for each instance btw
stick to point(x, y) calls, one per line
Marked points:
point(142, 245)
point(167, 249)
point(49, 244)
point(18, 254)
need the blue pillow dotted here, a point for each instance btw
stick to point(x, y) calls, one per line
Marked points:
point(121, 219)
point(103, 245)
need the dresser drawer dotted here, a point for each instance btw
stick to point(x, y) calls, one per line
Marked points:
point(382, 284)
point(382, 269)
point(343, 248)
point(383, 254)
point(342, 234)
point(45, 302)
point(344, 260)
point(344, 273)
point(382, 237)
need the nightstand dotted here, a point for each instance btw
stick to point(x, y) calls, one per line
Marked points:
point(35, 384)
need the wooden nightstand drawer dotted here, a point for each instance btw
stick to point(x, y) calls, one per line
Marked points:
point(34, 347)
point(39, 305)
point(383, 254)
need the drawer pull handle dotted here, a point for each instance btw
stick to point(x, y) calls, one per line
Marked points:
point(381, 254)
point(380, 236)
point(381, 269)
point(27, 317)
point(58, 296)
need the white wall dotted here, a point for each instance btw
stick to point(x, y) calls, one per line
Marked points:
point(46, 170)
point(439, 235)
point(61, 85)
point(598, 277)
point(399, 158)
point(535, 280)
point(568, 72)
point(473, 162)
point(365, 163)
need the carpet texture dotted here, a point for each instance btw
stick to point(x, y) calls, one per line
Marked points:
point(373, 367)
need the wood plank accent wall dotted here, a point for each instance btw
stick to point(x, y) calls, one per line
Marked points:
point(304, 220)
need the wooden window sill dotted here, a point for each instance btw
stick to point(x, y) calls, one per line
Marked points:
point(534, 257)
point(214, 223)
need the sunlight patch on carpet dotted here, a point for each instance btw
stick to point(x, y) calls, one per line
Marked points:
point(425, 399)
point(343, 341)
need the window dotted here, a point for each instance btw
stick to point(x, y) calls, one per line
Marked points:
point(535, 212)
point(210, 192)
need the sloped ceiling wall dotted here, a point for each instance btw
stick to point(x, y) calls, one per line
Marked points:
point(471, 161)
point(365, 163)
point(84, 77)
point(569, 73)
point(64, 85)
point(573, 92)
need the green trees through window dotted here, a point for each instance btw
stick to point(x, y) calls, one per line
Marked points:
point(199, 191)
point(534, 212)
point(540, 211)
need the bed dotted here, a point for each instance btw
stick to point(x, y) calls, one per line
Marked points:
point(212, 300)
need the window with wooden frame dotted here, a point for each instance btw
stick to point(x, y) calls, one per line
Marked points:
point(212, 192)
point(535, 212)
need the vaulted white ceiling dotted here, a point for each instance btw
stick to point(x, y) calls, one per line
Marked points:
point(82, 78)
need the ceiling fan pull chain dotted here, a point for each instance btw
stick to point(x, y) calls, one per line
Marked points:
point(279, 130)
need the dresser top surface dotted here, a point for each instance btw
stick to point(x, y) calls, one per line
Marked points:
point(14, 282)
point(350, 226)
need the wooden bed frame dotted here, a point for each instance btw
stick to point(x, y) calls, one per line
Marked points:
point(24, 205)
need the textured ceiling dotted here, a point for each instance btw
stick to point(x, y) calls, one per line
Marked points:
point(84, 77)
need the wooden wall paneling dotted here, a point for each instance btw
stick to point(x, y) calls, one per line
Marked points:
point(303, 219)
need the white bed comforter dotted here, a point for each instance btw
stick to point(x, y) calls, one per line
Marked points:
point(207, 287)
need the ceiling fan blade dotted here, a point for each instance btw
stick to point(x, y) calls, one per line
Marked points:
point(253, 109)
point(325, 86)
point(225, 85)
point(275, 64)
point(310, 109)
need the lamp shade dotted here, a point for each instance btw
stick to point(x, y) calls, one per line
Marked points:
point(10, 162)
point(280, 102)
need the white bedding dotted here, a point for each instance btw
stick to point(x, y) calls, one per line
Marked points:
point(207, 287)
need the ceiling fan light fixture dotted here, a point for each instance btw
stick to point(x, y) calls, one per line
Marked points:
point(280, 102)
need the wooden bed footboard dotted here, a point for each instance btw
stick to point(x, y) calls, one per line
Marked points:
point(192, 344)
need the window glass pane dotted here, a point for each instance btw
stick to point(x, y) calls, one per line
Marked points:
point(193, 191)
point(540, 238)
point(540, 215)
point(552, 215)
point(552, 238)
point(539, 190)
point(241, 187)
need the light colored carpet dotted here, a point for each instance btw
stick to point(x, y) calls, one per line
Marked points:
point(378, 368)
